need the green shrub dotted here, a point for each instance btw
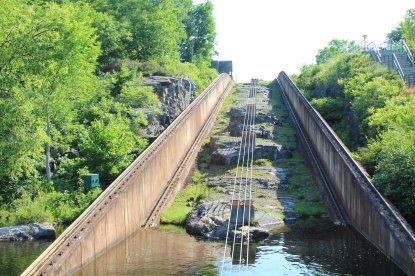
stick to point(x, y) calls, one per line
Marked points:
point(29, 211)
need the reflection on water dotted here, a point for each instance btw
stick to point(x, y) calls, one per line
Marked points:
point(16, 256)
point(309, 248)
point(152, 252)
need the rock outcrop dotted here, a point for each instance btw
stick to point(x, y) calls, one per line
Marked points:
point(33, 231)
point(175, 95)
point(210, 220)
point(225, 151)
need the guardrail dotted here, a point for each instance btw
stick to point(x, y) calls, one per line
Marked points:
point(127, 203)
point(369, 213)
point(398, 67)
point(408, 52)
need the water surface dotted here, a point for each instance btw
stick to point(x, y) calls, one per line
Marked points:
point(308, 247)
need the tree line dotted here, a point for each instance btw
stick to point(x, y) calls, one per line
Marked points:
point(372, 111)
point(71, 75)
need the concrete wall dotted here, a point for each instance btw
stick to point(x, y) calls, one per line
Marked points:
point(127, 203)
point(368, 212)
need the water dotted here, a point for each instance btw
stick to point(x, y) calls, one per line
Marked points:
point(313, 247)
point(308, 247)
point(15, 257)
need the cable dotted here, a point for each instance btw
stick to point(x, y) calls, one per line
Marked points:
point(233, 192)
point(248, 144)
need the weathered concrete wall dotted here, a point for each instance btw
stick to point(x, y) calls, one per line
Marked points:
point(367, 210)
point(126, 204)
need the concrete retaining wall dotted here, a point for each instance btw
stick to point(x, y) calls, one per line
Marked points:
point(127, 203)
point(368, 212)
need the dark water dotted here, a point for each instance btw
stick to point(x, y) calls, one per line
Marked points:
point(307, 248)
point(15, 257)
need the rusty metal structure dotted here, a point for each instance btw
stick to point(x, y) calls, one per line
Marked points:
point(136, 197)
point(359, 201)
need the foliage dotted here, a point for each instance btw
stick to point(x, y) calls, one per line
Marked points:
point(395, 171)
point(308, 210)
point(71, 89)
point(200, 30)
point(395, 35)
point(329, 108)
point(52, 206)
point(370, 109)
point(106, 147)
point(346, 90)
point(262, 162)
point(334, 48)
point(408, 28)
point(405, 30)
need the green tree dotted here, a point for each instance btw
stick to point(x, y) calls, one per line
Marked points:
point(200, 30)
point(408, 28)
point(106, 147)
point(65, 57)
point(395, 171)
point(334, 48)
point(20, 135)
point(395, 35)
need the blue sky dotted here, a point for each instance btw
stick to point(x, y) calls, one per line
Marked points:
point(264, 37)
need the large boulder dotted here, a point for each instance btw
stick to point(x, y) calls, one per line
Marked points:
point(33, 231)
point(210, 218)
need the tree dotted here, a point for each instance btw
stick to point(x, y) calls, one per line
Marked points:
point(408, 28)
point(395, 35)
point(395, 171)
point(334, 48)
point(200, 30)
point(59, 58)
point(20, 136)
point(106, 147)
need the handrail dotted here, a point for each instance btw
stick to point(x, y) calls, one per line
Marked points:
point(372, 47)
point(408, 52)
point(398, 66)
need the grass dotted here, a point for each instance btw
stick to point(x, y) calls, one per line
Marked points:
point(276, 214)
point(255, 173)
point(172, 228)
point(308, 210)
point(301, 184)
point(223, 118)
point(185, 200)
point(263, 162)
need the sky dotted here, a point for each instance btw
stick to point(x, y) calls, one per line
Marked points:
point(265, 37)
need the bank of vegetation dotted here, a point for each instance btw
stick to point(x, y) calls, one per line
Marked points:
point(372, 111)
point(71, 75)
